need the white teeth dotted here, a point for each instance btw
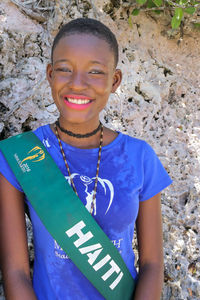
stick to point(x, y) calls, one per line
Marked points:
point(78, 101)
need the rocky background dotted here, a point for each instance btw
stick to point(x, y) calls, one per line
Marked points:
point(158, 101)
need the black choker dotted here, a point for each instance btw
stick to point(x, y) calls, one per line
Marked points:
point(78, 135)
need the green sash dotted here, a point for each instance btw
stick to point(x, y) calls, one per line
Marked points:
point(66, 218)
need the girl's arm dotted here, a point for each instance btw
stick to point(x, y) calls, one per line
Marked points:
point(13, 244)
point(150, 247)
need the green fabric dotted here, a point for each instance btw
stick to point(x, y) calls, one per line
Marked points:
point(65, 217)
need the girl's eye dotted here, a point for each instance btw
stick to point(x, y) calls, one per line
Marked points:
point(63, 70)
point(96, 72)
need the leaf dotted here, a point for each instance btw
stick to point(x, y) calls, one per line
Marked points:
point(141, 2)
point(182, 2)
point(178, 13)
point(196, 26)
point(158, 3)
point(170, 3)
point(194, 2)
point(190, 10)
point(158, 12)
point(150, 4)
point(135, 12)
point(130, 21)
point(175, 23)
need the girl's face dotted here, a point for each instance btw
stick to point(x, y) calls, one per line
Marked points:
point(82, 77)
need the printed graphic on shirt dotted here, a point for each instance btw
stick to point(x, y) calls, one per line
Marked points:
point(58, 251)
point(46, 143)
point(88, 187)
point(117, 244)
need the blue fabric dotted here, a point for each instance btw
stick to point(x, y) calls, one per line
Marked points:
point(130, 172)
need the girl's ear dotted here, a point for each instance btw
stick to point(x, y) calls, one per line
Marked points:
point(117, 78)
point(49, 72)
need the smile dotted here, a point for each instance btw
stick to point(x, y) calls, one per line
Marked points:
point(78, 102)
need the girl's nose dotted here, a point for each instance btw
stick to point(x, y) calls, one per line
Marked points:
point(78, 81)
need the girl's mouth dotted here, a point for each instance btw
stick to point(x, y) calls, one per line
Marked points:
point(78, 103)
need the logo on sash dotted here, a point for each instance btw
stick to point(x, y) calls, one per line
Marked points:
point(37, 154)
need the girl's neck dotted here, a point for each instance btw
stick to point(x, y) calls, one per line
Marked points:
point(85, 143)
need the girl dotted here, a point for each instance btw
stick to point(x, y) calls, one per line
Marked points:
point(118, 178)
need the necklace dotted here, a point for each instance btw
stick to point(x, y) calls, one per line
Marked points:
point(78, 135)
point(98, 164)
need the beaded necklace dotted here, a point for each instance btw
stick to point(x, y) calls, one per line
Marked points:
point(98, 164)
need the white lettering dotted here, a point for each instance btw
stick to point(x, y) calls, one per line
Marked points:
point(93, 251)
point(17, 157)
point(117, 243)
point(46, 143)
point(62, 256)
point(114, 268)
point(90, 248)
point(56, 246)
point(117, 280)
point(83, 237)
point(102, 262)
point(93, 257)
point(26, 166)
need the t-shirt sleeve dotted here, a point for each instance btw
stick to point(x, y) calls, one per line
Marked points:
point(6, 171)
point(155, 177)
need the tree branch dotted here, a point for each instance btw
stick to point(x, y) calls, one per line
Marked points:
point(29, 12)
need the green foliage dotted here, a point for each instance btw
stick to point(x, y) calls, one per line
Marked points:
point(150, 4)
point(158, 3)
point(196, 26)
point(135, 12)
point(190, 10)
point(177, 18)
point(141, 2)
point(130, 22)
point(178, 8)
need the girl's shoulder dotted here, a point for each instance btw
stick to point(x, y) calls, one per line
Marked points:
point(135, 143)
point(45, 134)
point(42, 131)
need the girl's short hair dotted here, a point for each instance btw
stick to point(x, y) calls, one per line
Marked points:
point(88, 26)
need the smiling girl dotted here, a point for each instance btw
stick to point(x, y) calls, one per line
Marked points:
point(117, 178)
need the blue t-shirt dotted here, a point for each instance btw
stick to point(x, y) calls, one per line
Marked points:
point(130, 172)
